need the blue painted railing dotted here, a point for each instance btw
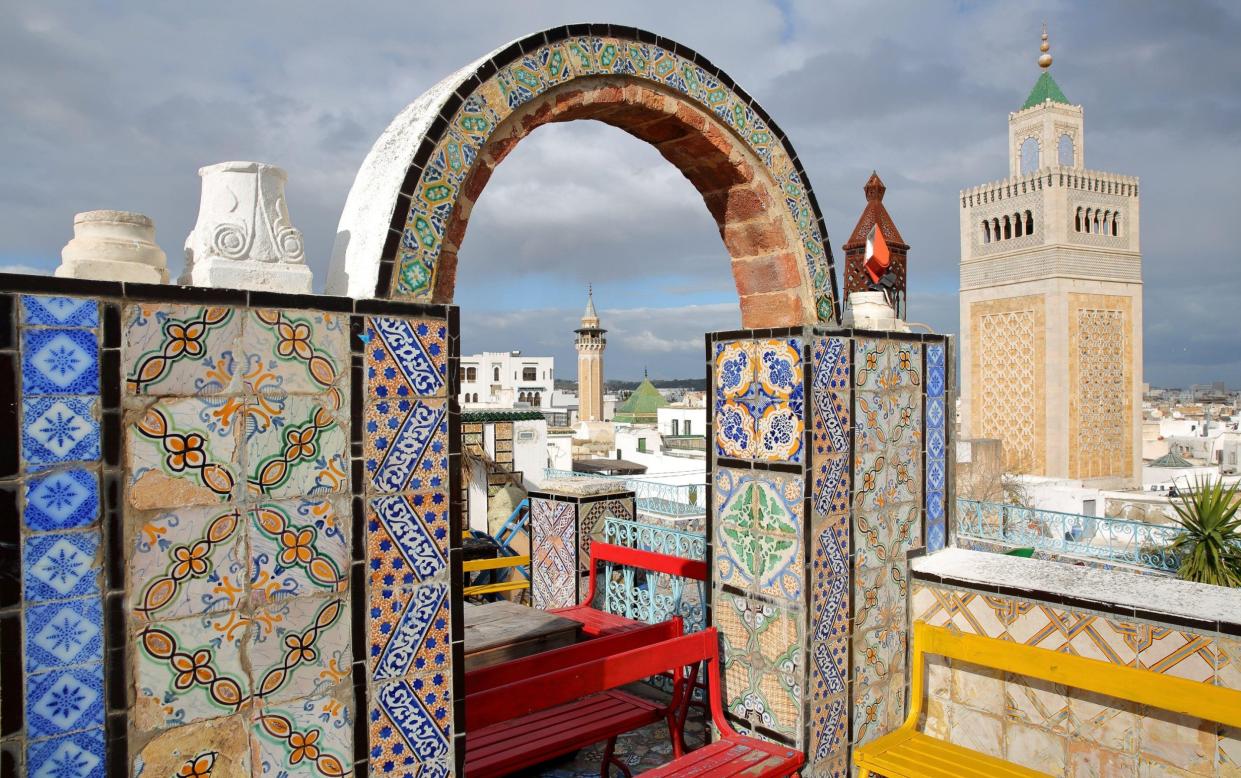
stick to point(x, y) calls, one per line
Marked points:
point(1071, 534)
point(679, 501)
point(648, 596)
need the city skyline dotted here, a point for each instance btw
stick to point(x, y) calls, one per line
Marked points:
point(920, 93)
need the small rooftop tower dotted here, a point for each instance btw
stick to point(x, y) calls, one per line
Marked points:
point(875, 225)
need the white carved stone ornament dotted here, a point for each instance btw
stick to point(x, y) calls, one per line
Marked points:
point(113, 246)
point(243, 238)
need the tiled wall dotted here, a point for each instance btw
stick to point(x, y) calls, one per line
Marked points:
point(273, 478)
point(1062, 731)
point(562, 524)
point(814, 506)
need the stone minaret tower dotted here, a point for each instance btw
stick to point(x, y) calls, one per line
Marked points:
point(1051, 303)
point(590, 345)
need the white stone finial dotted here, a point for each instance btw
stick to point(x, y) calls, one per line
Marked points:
point(243, 238)
point(113, 246)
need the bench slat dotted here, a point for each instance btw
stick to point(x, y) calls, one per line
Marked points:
point(905, 753)
point(731, 756)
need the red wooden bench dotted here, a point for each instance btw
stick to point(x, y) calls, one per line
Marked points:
point(598, 623)
point(731, 754)
point(518, 714)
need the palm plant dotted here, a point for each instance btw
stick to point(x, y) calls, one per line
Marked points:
point(1209, 544)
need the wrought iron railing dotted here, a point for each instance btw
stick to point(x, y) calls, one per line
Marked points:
point(678, 501)
point(1110, 540)
point(650, 596)
point(684, 442)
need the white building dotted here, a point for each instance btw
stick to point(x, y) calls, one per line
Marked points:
point(506, 379)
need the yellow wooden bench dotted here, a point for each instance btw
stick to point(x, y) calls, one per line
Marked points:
point(908, 752)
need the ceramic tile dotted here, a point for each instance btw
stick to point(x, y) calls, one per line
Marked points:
point(296, 352)
point(299, 647)
point(553, 563)
point(878, 656)
point(188, 562)
point(829, 736)
point(80, 755)
point(62, 565)
point(591, 519)
point(409, 631)
point(778, 368)
point(1038, 702)
point(406, 357)
point(1181, 654)
point(64, 701)
point(59, 429)
point(879, 597)
point(59, 311)
point(731, 616)
point(406, 445)
point(830, 605)
point(410, 722)
point(778, 428)
point(62, 634)
point(60, 361)
point(64, 499)
point(734, 369)
point(180, 349)
point(407, 539)
point(189, 670)
point(182, 452)
point(758, 529)
point(294, 446)
point(313, 737)
point(298, 547)
point(735, 430)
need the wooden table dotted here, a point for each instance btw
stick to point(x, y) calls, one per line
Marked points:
point(499, 631)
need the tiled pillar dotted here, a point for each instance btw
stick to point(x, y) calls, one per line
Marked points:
point(53, 540)
point(817, 484)
point(565, 514)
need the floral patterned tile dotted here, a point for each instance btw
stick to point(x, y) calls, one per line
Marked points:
point(59, 311)
point(182, 452)
point(61, 634)
point(409, 631)
point(406, 357)
point(60, 566)
point(299, 647)
point(188, 562)
point(296, 352)
point(298, 547)
point(312, 737)
point(406, 447)
point(63, 701)
point(295, 445)
point(411, 722)
point(758, 535)
point(80, 755)
point(63, 499)
point(734, 368)
point(59, 429)
point(735, 430)
point(189, 670)
point(179, 349)
point(60, 361)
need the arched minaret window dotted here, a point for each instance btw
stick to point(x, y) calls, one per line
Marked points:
point(995, 230)
point(1090, 220)
point(1065, 151)
point(1008, 228)
point(1107, 222)
point(1029, 223)
point(1077, 220)
point(1018, 226)
point(1096, 222)
point(986, 234)
point(1029, 156)
point(1116, 224)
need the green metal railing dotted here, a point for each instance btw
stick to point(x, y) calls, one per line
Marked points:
point(1112, 540)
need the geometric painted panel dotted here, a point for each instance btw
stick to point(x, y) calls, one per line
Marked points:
point(759, 400)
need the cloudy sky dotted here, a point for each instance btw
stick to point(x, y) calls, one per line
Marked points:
point(116, 104)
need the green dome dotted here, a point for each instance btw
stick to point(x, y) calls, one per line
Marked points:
point(642, 406)
point(1045, 88)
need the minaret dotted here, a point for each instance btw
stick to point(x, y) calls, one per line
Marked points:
point(590, 345)
point(1051, 302)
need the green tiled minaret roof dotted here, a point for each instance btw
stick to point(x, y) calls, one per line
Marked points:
point(1045, 88)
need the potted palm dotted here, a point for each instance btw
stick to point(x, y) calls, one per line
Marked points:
point(1209, 545)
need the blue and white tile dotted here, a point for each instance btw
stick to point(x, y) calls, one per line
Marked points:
point(62, 634)
point(64, 701)
point(59, 429)
point(59, 311)
point(406, 445)
point(60, 361)
point(65, 499)
point(80, 755)
point(61, 566)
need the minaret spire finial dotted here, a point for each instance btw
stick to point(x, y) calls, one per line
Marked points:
point(1044, 59)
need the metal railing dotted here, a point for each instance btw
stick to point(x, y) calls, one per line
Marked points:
point(1111, 540)
point(684, 442)
point(678, 501)
point(650, 596)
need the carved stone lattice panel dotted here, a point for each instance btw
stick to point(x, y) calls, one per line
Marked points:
point(1006, 375)
point(1101, 387)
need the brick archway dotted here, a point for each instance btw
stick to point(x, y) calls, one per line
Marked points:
point(407, 212)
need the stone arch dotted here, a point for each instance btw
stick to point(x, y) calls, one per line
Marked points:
point(409, 206)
